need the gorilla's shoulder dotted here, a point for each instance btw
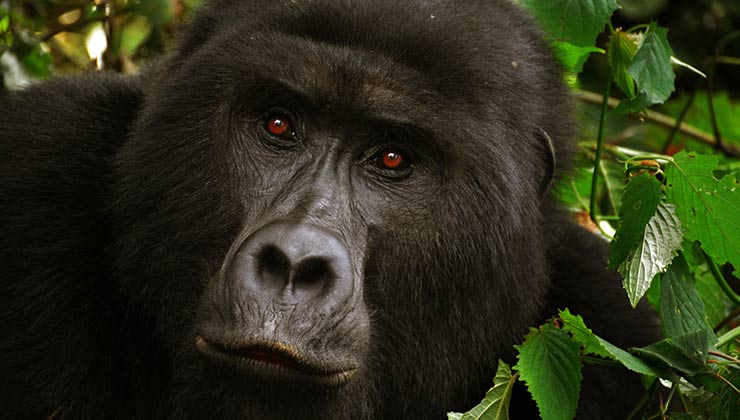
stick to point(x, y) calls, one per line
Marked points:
point(64, 130)
point(77, 110)
point(57, 142)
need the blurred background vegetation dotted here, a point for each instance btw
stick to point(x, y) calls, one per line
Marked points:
point(42, 37)
point(39, 38)
point(706, 35)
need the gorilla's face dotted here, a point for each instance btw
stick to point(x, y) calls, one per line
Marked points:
point(339, 212)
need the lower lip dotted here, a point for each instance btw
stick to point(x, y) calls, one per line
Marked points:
point(268, 366)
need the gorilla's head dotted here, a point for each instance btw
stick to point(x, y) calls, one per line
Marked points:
point(341, 203)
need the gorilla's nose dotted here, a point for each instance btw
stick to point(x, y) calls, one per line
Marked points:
point(295, 262)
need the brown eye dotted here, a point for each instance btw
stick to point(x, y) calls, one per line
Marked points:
point(278, 125)
point(393, 162)
point(392, 159)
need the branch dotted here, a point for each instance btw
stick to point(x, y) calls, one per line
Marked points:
point(656, 118)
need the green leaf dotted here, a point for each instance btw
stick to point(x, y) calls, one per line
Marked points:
point(620, 52)
point(714, 299)
point(495, 405)
point(679, 353)
point(651, 66)
point(572, 57)
point(681, 308)
point(134, 34)
point(662, 240)
point(158, 12)
point(37, 62)
point(574, 188)
point(4, 23)
point(632, 105)
point(550, 365)
point(634, 363)
point(591, 344)
point(699, 400)
point(639, 202)
point(578, 22)
point(709, 209)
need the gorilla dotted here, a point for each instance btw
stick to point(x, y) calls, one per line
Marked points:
point(310, 209)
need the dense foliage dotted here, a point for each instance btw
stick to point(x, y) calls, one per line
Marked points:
point(661, 185)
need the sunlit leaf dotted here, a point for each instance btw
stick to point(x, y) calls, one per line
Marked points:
point(709, 208)
point(495, 405)
point(578, 22)
point(660, 243)
point(620, 52)
point(572, 57)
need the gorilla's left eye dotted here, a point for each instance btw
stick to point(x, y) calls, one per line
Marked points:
point(392, 161)
point(278, 126)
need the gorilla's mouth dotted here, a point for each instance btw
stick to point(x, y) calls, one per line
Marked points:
point(275, 361)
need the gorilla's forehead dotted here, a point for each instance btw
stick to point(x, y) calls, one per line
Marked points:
point(371, 50)
point(339, 78)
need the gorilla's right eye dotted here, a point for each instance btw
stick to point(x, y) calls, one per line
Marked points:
point(392, 159)
point(278, 124)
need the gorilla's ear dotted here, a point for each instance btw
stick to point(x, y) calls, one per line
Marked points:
point(550, 159)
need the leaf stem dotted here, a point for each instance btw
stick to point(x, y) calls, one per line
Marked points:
point(599, 146)
point(728, 337)
point(726, 381)
point(638, 27)
point(721, 280)
point(724, 356)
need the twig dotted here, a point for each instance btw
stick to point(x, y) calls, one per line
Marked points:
point(656, 118)
point(727, 319)
point(719, 145)
point(679, 121)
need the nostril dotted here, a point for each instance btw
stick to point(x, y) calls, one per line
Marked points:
point(273, 266)
point(313, 272)
point(292, 263)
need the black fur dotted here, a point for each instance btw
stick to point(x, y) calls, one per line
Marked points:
point(124, 201)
